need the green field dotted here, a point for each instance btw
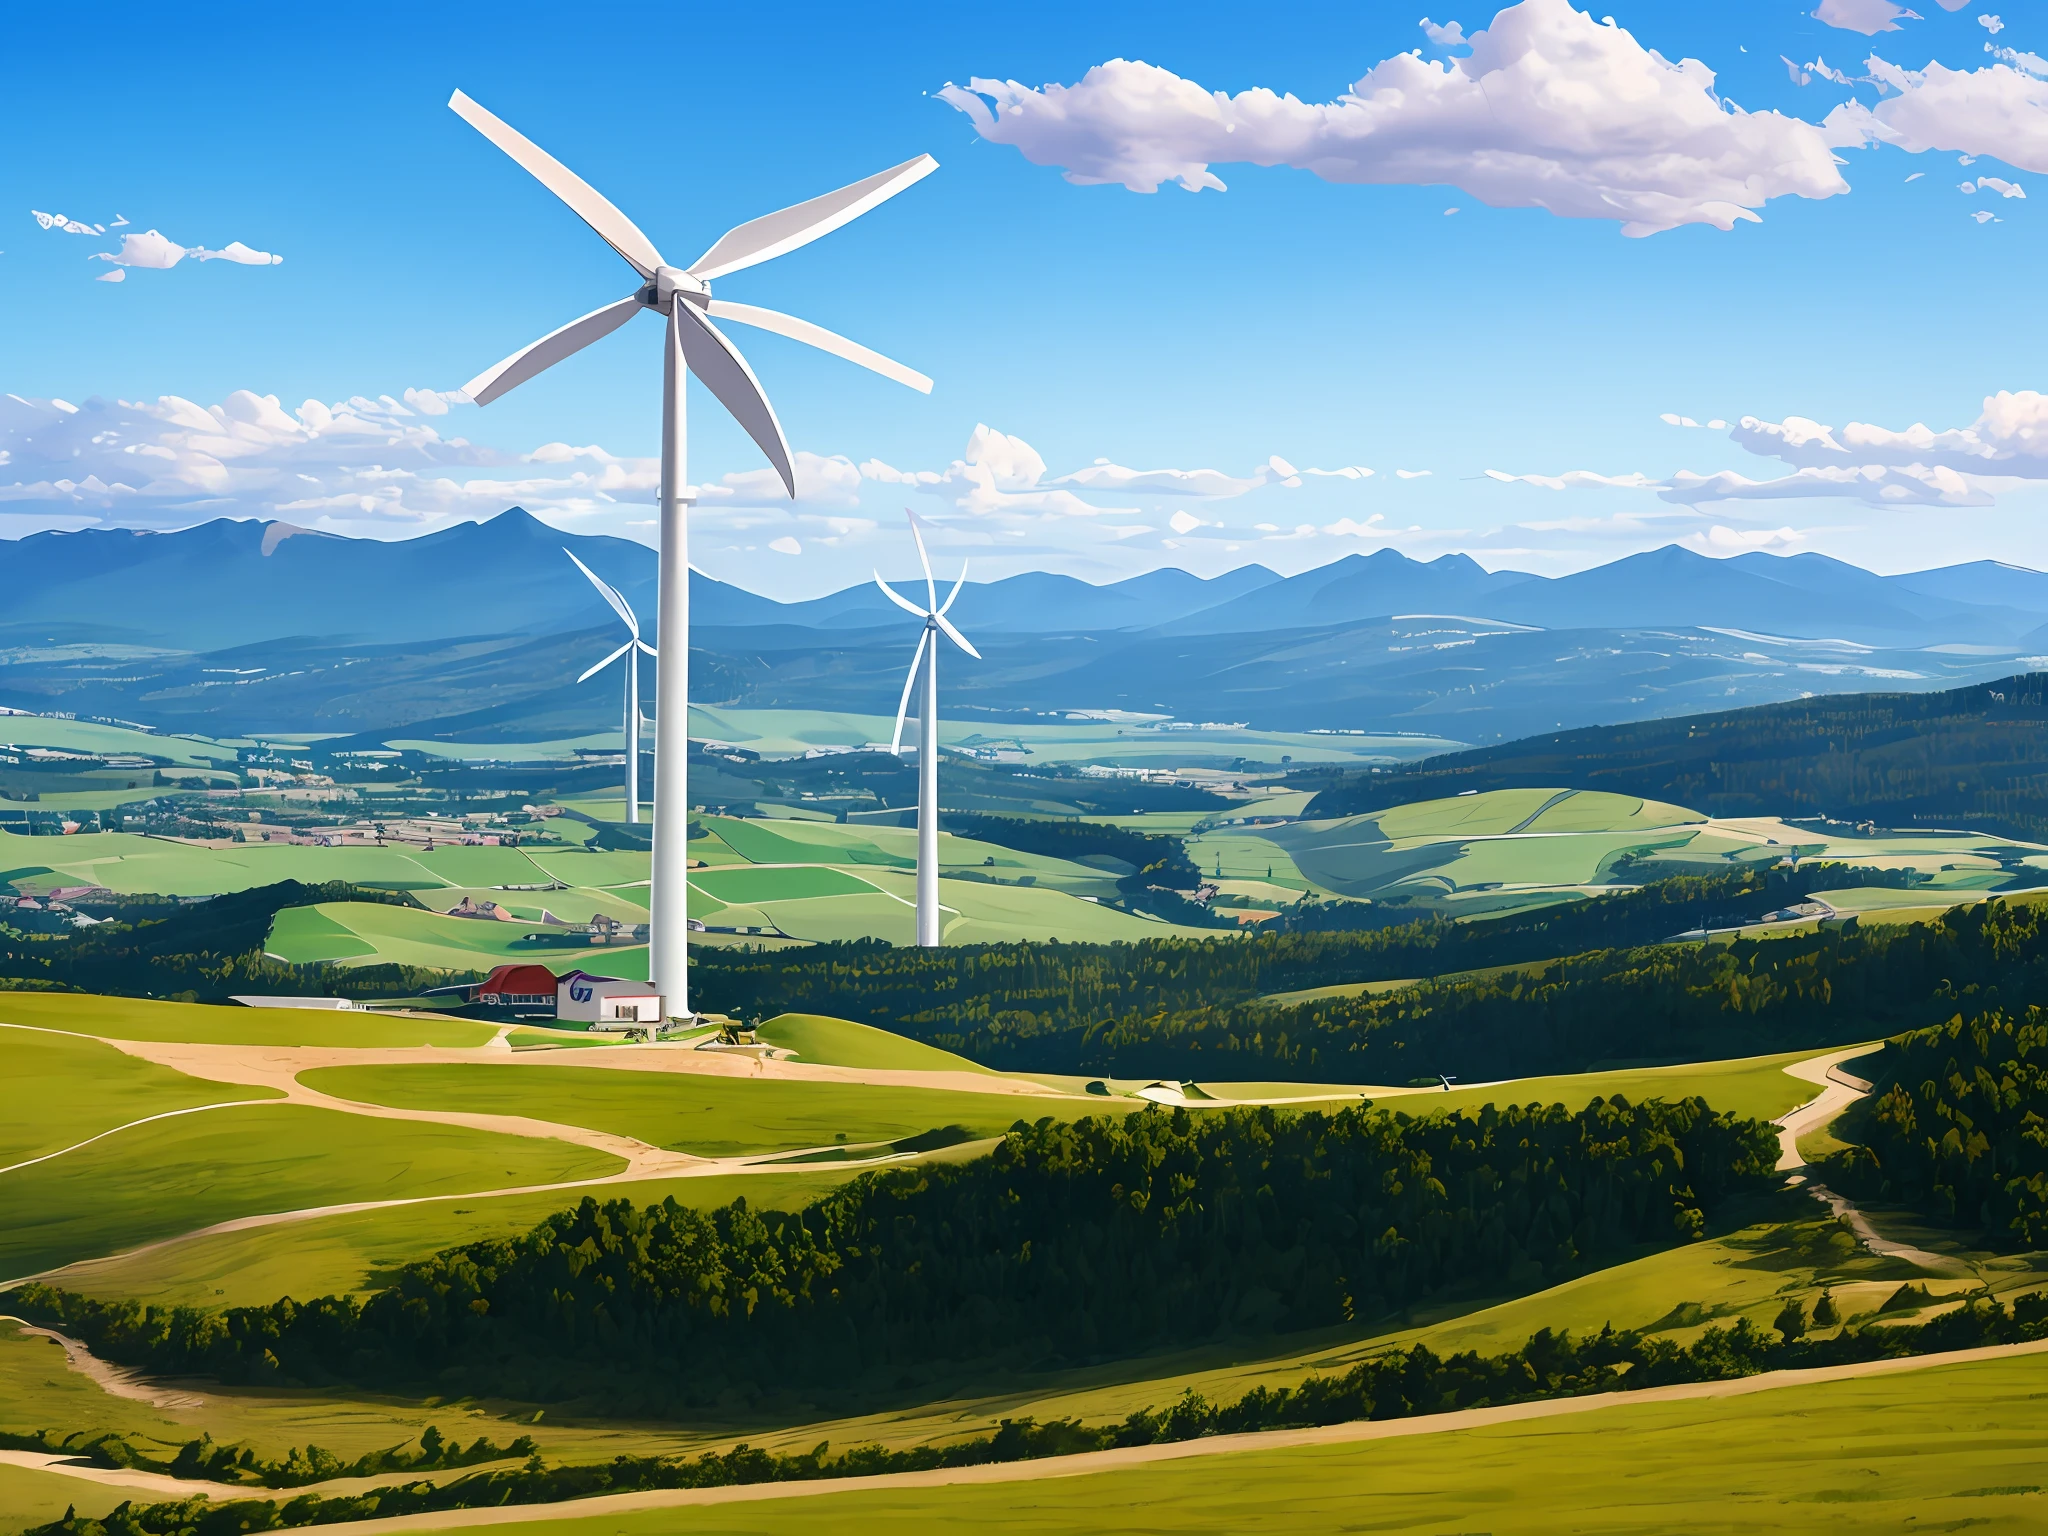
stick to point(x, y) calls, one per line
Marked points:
point(1757, 1087)
point(842, 1043)
point(707, 1116)
point(174, 1176)
point(135, 1018)
point(59, 1089)
point(371, 933)
point(1936, 1449)
point(328, 1255)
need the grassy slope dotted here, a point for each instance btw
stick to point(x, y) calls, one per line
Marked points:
point(843, 1043)
point(710, 1116)
point(1927, 1450)
point(331, 1254)
point(1757, 1087)
point(132, 1018)
point(59, 1089)
point(175, 1176)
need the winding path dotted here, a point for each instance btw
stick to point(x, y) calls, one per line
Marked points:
point(1839, 1090)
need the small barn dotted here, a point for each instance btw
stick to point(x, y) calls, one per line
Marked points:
point(526, 988)
point(587, 999)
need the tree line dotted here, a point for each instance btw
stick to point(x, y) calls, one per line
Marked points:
point(1399, 1383)
point(1093, 1239)
point(1195, 1009)
point(1959, 1126)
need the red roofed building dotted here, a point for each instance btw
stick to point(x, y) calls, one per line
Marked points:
point(530, 988)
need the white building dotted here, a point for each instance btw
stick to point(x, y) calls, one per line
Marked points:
point(583, 998)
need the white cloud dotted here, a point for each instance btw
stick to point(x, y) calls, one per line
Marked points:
point(1552, 110)
point(153, 250)
point(1992, 24)
point(1997, 110)
point(1579, 479)
point(115, 276)
point(1722, 540)
point(1450, 35)
point(2009, 437)
point(1993, 184)
point(360, 464)
point(63, 225)
point(1003, 476)
point(1187, 522)
point(820, 482)
point(1413, 474)
point(786, 546)
point(1875, 484)
point(1866, 16)
point(2032, 63)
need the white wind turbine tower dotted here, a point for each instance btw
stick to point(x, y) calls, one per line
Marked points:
point(927, 655)
point(631, 651)
point(695, 345)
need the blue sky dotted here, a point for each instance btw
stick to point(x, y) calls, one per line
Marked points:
point(1331, 324)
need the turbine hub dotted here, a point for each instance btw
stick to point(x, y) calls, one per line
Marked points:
point(668, 283)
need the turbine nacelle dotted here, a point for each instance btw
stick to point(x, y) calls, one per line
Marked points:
point(935, 622)
point(704, 349)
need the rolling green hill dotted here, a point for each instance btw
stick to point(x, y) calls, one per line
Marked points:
point(1975, 756)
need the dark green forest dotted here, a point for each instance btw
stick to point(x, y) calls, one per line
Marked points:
point(1958, 1127)
point(1099, 1238)
point(1193, 1010)
point(1973, 757)
point(204, 951)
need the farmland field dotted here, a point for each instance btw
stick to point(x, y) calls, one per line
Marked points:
point(705, 1116)
point(172, 1176)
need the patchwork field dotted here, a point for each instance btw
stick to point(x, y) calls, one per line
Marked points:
point(1506, 850)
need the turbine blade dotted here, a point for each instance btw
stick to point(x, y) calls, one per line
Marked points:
point(954, 635)
point(610, 594)
point(615, 655)
point(777, 234)
point(590, 205)
point(909, 682)
point(931, 590)
point(948, 603)
point(725, 373)
point(824, 340)
point(650, 650)
point(550, 350)
point(898, 598)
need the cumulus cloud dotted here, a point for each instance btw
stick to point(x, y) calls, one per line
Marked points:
point(1450, 35)
point(1551, 110)
point(2008, 438)
point(1992, 24)
point(355, 463)
point(152, 249)
point(1997, 110)
point(1866, 16)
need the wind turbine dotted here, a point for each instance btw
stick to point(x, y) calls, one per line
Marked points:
point(927, 655)
point(631, 651)
point(696, 346)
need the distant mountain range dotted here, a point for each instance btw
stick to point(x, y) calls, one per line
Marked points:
point(479, 628)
